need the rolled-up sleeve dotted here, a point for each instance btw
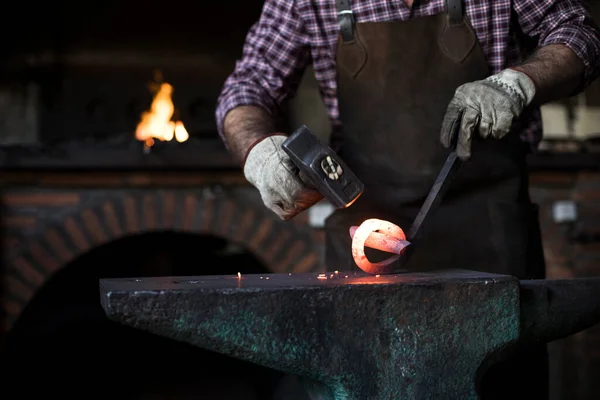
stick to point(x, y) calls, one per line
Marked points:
point(567, 22)
point(274, 57)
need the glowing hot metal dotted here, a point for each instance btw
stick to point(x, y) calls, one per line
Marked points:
point(382, 242)
point(382, 235)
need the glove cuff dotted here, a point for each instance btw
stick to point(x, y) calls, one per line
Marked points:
point(257, 142)
point(517, 82)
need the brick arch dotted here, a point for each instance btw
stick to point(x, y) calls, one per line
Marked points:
point(281, 246)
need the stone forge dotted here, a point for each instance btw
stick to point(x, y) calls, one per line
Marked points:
point(360, 336)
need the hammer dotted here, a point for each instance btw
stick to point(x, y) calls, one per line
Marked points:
point(323, 168)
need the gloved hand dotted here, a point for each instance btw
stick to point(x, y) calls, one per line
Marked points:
point(281, 187)
point(486, 108)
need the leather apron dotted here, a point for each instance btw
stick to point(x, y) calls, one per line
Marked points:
point(395, 80)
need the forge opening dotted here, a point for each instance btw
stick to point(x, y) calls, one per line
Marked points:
point(64, 345)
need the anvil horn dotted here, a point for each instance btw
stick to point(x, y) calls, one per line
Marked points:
point(554, 309)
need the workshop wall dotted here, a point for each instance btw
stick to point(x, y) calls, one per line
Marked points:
point(570, 223)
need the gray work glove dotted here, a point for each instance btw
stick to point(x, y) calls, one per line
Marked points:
point(486, 108)
point(277, 179)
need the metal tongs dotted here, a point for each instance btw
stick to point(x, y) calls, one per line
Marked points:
point(405, 248)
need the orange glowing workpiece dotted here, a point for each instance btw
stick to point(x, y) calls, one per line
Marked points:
point(382, 242)
point(377, 234)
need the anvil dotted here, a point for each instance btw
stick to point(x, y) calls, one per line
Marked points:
point(360, 336)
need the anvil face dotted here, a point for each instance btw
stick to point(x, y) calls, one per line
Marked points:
point(362, 336)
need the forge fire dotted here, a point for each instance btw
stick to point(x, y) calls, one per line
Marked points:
point(158, 123)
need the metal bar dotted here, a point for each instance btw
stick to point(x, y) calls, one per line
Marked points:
point(434, 198)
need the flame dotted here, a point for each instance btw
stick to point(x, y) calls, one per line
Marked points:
point(157, 123)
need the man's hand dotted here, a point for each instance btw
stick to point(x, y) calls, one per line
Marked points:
point(271, 171)
point(486, 108)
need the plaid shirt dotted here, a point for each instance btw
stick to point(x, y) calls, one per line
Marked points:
point(291, 34)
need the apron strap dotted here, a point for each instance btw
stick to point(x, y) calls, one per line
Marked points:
point(455, 11)
point(345, 19)
point(346, 16)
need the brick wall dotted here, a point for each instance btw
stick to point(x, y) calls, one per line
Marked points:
point(50, 220)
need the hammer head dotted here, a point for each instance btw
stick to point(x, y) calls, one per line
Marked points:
point(323, 168)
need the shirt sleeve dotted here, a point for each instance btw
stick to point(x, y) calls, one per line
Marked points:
point(567, 22)
point(274, 56)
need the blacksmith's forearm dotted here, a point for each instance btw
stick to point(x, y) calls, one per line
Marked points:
point(556, 71)
point(243, 126)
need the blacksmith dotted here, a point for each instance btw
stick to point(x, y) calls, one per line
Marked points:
point(395, 77)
